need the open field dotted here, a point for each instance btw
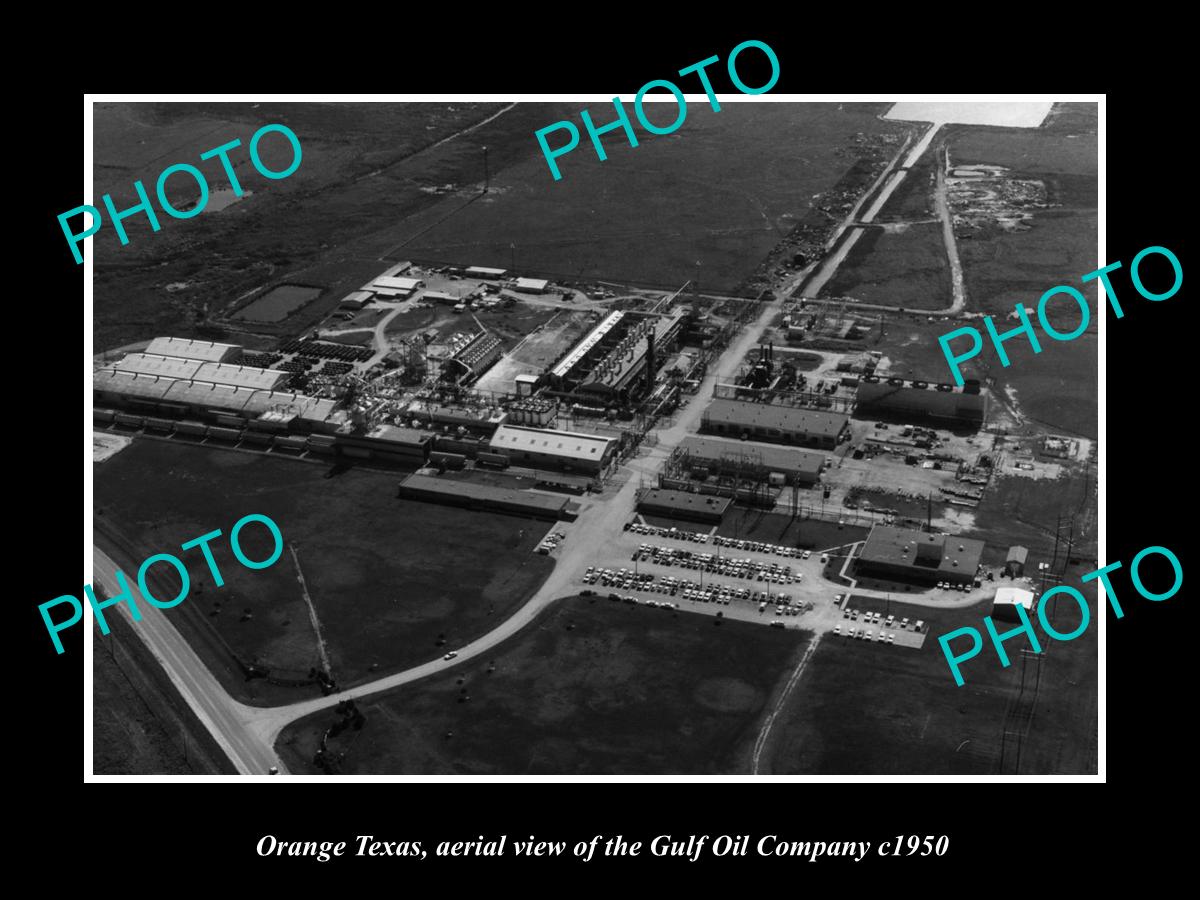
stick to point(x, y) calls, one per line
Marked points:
point(679, 195)
point(592, 687)
point(1054, 390)
point(866, 707)
point(386, 576)
point(910, 347)
point(140, 723)
point(901, 265)
point(362, 173)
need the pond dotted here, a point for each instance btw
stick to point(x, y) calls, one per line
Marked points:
point(278, 303)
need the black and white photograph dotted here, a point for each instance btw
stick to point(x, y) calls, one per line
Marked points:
point(698, 434)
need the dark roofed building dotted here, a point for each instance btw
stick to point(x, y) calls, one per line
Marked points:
point(1014, 564)
point(915, 555)
point(778, 424)
point(723, 456)
point(918, 400)
point(684, 505)
point(458, 492)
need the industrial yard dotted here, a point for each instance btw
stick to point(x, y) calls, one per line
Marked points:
point(574, 519)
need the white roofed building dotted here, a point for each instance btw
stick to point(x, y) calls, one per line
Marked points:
point(1007, 599)
point(206, 351)
point(544, 448)
point(531, 285)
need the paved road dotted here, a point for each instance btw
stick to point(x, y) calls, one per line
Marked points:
point(894, 177)
point(224, 717)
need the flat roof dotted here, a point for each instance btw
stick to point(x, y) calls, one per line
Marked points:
point(396, 283)
point(686, 501)
point(206, 351)
point(399, 434)
point(930, 401)
point(784, 418)
point(556, 443)
point(773, 456)
point(1011, 596)
point(957, 556)
point(484, 492)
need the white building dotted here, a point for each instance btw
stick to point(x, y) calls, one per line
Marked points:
point(1007, 599)
point(544, 448)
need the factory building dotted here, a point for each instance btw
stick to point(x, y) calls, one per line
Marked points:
point(386, 443)
point(616, 355)
point(205, 399)
point(909, 555)
point(153, 364)
point(205, 351)
point(531, 285)
point(485, 273)
point(432, 489)
point(482, 420)
point(1006, 601)
point(252, 377)
point(777, 424)
point(684, 505)
point(211, 384)
point(395, 287)
point(720, 456)
point(475, 357)
point(549, 449)
point(919, 400)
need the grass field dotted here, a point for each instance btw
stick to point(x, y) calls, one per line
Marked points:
point(592, 687)
point(140, 724)
point(904, 267)
point(386, 575)
point(362, 172)
point(866, 707)
point(723, 189)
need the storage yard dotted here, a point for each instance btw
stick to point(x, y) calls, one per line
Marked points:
point(458, 442)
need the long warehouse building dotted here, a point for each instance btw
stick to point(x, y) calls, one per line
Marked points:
point(547, 448)
point(721, 456)
point(920, 400)
point(777, 424)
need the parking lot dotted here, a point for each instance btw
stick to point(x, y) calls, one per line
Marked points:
point(861, 625)
point(704, 573)
point(674, 569)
